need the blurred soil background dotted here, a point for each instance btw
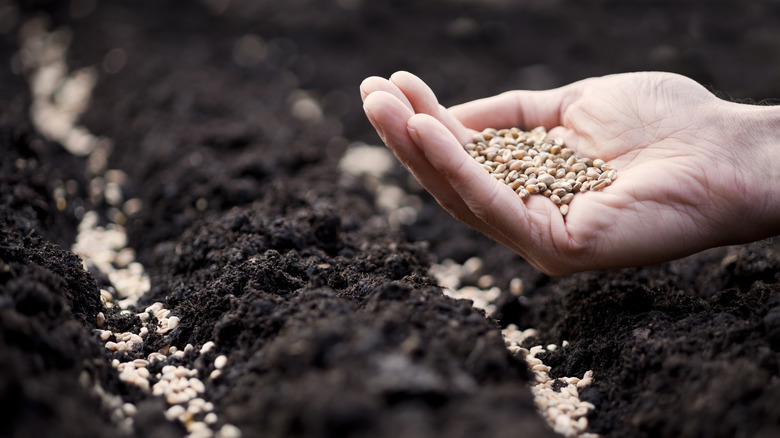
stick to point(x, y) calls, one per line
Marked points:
point(217, 131)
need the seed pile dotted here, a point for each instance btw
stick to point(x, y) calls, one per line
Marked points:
point(532, 163)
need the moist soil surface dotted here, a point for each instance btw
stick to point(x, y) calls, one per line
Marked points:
point(228, 120)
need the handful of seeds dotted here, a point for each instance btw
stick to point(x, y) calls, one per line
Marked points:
point(531, 163)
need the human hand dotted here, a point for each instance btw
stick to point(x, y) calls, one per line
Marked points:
point(694, 171)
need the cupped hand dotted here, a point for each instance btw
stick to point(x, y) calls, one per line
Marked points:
point(681, 166)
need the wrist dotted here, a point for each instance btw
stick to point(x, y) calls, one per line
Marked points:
point(756, 146)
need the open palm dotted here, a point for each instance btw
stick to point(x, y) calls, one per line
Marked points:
point(679, 187)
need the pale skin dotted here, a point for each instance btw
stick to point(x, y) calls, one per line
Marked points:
point(695, 171)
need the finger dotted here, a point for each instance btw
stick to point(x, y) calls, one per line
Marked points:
point(375, 83)
point(523, 109)
point(389, 116)
point(525, 226)
point(424, 101)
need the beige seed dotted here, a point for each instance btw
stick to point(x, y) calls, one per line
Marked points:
point(506, 155)
point(560, 192)
point(524, 194)
point(547, 179)
point(565, 199)
point(564, 209)
point(100, 319)
point(600, 184)
point(515, 165)
point(556, 199)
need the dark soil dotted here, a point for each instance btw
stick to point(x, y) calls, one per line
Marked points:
point(330, 322)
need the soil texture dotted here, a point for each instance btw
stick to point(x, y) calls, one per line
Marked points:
point(227, 121)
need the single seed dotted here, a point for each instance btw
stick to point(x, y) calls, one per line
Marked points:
point(556, 199)
point(547, 179)
point(600, 184)
point(524, 194)
point(564, 209)
point(565, 199)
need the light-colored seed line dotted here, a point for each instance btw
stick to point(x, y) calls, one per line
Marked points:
point(532, 163)
point(59, 99)
point(373, 163)
point(448, 274)
point(563, 410)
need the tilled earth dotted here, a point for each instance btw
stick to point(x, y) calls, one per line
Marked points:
point(227, 121)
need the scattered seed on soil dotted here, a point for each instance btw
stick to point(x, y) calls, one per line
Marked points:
point(532, 163)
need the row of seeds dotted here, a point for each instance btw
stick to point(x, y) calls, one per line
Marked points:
point(59, 98)
point(532, 163)
point(562, 409)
